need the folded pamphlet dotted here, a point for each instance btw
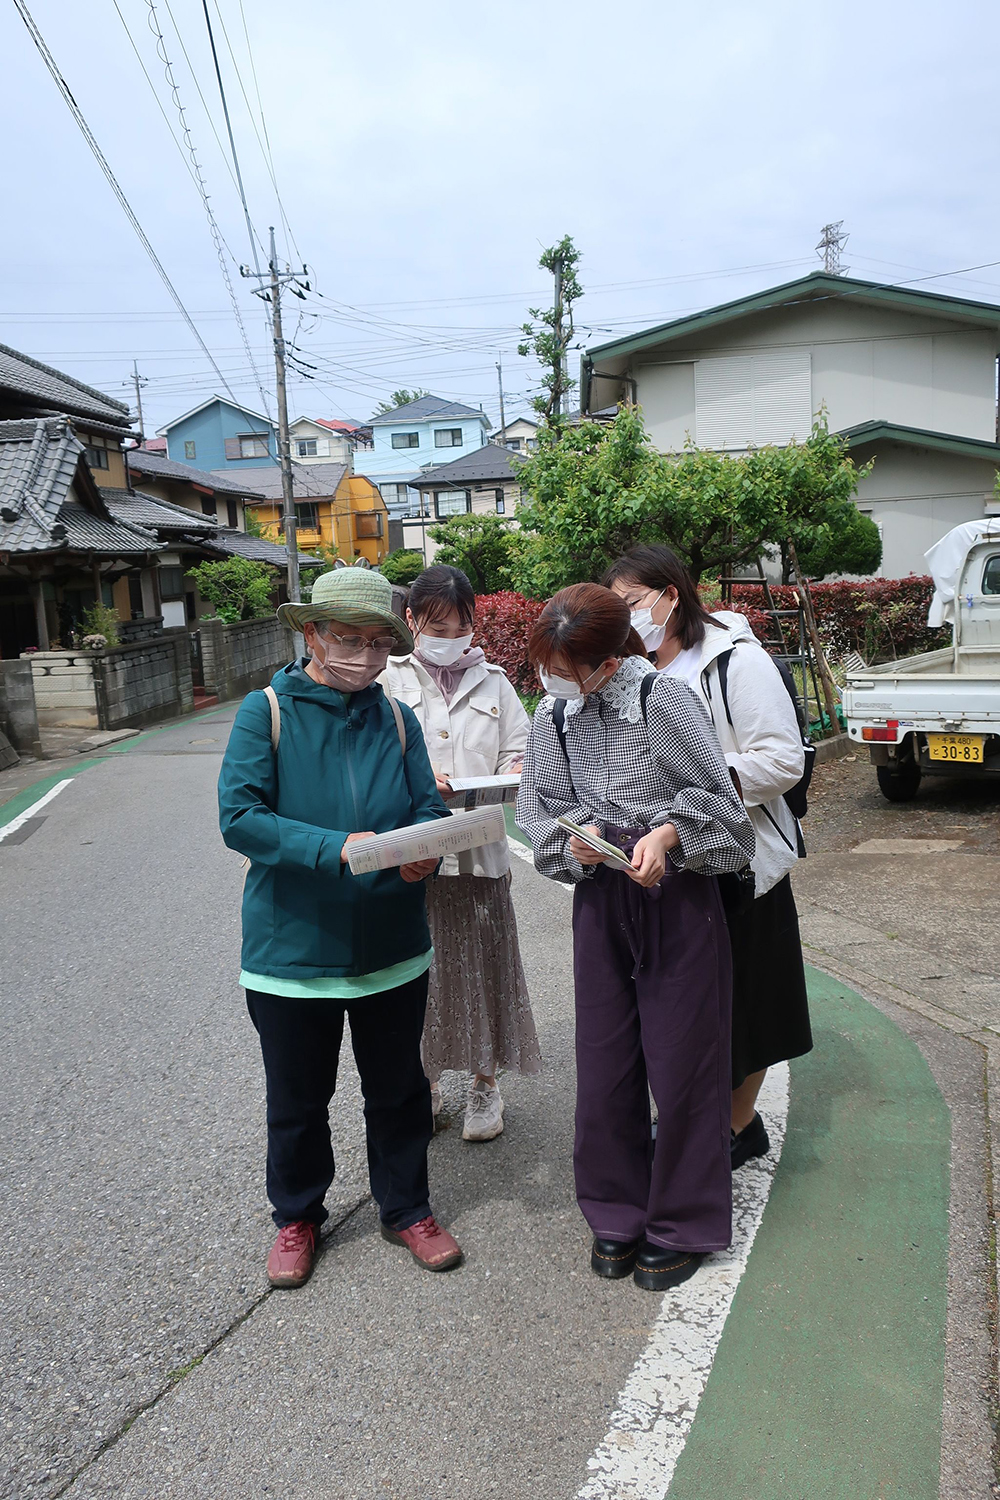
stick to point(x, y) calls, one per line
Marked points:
point(481, 791)
point(403, 846)
point(614, 856)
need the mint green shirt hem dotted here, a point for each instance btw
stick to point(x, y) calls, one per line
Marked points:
point(341, 987)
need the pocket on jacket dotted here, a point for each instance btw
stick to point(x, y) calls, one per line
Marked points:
point(482, 730)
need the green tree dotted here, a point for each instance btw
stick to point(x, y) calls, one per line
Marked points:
point(482, 546)
point(851, 544)
point(402, 566)
point(550, 333)
point(238, 588)
point(252, 522)
point(402, 397)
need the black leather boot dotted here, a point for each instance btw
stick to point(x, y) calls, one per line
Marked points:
point(658, 1269)
point(613, 1258)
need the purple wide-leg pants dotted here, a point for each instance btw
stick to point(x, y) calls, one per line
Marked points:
point(653, 998)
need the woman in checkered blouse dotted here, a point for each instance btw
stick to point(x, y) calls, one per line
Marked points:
point(644, 770)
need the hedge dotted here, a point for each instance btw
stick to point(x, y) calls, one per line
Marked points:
point(881, 618)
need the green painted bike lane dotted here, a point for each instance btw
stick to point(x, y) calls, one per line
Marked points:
point(828, 1380)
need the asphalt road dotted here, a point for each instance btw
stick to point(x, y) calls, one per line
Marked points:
point(135, 1227)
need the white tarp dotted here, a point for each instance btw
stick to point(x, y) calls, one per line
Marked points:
point(945, 561)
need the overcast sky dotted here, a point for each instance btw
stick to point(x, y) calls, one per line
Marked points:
point(425, 156)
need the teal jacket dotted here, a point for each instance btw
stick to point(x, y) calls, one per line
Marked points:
point(338, 769)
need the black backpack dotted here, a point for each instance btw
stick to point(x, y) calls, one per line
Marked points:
point(796, 798)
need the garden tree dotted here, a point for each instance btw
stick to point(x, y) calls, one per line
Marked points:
point(549, 336)
point(852, 544)
point(402, 397)
point(402, 566)
point(238, 588)
point(482, 546)
point(252, 523)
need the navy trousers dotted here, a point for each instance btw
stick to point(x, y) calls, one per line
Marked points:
point(300, 1043)
point(653, 996)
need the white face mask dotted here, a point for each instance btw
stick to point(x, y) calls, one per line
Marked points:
point(440, 651)
point(642, 623)
point(562, 687)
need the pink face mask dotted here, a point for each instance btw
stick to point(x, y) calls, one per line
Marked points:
point(348, 675)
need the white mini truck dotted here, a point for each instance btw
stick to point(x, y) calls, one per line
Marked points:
point(938, 713)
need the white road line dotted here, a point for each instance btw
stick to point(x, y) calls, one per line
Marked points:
point(15, 823)
point(647, 1433)
point(637, 1458)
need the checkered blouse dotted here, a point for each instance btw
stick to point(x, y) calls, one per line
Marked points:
point(626, 773)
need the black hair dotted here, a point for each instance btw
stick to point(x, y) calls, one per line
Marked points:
point(656, 567)
point(437, 590)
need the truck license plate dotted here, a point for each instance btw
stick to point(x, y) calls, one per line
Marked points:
point(965, 748)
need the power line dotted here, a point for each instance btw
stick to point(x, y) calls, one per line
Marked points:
point(89, 137)
point(215, 231)
point(232, 140)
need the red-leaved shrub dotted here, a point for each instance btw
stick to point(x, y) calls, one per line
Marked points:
point(503, 625)
point(881, 618)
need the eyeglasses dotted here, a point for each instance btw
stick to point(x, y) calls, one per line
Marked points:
point(357, 645)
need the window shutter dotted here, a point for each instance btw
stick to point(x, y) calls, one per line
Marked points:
point(753, 399)
point(723, 403)
point(322, 447)
point(782, 397)
point(233, 448)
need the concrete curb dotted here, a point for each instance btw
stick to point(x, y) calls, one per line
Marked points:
point(835, 748)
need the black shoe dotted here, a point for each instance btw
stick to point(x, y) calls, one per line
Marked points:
point(658, 1269)
point(613, 1258)
point(752, 1141)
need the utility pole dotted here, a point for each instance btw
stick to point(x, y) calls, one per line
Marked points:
point(139, 382)
point(272, 282)
point(503, 422)
point(832, 241)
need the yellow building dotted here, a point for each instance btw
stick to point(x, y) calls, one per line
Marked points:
point(333, 508)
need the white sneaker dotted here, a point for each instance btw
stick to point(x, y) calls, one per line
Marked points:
point(483, 1113)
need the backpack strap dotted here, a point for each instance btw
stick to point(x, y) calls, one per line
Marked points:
point(723, 661)
point(275, 707)
point(559, 724)
point(397, 714)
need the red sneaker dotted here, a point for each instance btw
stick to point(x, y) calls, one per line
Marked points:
point(431, 1246)
point(292, 1255)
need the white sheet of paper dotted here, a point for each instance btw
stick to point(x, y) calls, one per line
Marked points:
point(404, 846)
point(481, 791)
point(614, 856)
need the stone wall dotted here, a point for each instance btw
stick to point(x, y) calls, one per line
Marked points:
point(235, 659)
point(64, 688)
point(139, 684)
point(18, 713)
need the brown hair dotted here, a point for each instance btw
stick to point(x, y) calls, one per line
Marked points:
point(656, 567)
point(585, 623)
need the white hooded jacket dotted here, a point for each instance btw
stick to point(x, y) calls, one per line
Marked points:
point(763, 744)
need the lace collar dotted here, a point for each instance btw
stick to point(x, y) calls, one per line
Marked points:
point(620, 692)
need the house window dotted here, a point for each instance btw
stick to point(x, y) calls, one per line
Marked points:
point(448, 437)
point(305, 447)
point(253, 445)
point(368, 524)
point(514, 444)
point(307, 515)
point(189, 450)
point(406, 440)
point(171, 583)
point(532, 442)
point(991, 576)
point(97, 458)
point(233, 515)
point(501, 503)
point(752, 399)
point(208, 507)
point(452, 502)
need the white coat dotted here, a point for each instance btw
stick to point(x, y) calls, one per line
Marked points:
point(763, 745)
point(482, 732)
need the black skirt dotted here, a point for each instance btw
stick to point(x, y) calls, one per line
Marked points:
point(770, 1007)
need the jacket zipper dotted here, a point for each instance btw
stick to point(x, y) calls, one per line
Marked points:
point(358, 933)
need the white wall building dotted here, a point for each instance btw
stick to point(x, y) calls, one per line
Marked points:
point(315, 443)
point(908, 377)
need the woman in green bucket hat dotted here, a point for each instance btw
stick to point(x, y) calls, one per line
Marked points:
point(316, 760)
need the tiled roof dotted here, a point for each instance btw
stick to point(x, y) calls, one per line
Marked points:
point(336, 425)
point(425, 409)
point(157, 515)
point(159, 466)
point(228, 543)
point(86, 532)
point(488, 462)
point(41, 386)
point(309, 481)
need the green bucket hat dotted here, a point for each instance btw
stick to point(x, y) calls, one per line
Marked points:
point(354, 596)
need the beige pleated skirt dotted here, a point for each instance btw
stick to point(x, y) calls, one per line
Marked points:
point(478, 1014)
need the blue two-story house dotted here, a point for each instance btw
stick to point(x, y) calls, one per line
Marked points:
point(218, 434)
point(420, 435)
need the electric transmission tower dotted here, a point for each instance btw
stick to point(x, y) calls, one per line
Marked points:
point(832, 242)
